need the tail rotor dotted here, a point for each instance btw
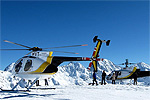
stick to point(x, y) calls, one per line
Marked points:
point(95, 55)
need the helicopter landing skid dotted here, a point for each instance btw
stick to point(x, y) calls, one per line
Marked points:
point(3, 90)
point(43, 88)
point(32, 83)
point(13, 89)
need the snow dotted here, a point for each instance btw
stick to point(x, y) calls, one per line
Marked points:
point(75, 92)
point(71, 83)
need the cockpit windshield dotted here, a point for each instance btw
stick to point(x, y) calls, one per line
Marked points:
point(18, 66)
point(28, 65)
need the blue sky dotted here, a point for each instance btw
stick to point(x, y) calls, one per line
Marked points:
point(50, 24)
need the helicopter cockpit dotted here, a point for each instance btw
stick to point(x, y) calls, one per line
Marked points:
point(28, 65)
point(24, 64)
point(18, 65)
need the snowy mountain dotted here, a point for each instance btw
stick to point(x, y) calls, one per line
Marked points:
point(73, 74)
point(108, 66)
point(142, 66)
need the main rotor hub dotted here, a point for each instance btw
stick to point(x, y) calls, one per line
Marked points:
point(36, 49)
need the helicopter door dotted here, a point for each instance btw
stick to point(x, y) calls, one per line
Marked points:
point(18, 66)
point(28, 65)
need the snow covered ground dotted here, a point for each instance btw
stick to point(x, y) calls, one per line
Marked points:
point(75, 92)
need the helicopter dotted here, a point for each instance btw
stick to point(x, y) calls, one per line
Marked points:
point(128, 72)
point(42, 64)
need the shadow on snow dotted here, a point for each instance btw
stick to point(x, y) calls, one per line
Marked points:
point(23, 94)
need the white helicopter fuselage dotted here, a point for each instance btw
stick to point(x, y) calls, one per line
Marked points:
point(31, 67)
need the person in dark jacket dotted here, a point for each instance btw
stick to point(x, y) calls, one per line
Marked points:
point(46, 82)
point(135, 78)
point(103, 78)
point(94, 78)
point(37, 83)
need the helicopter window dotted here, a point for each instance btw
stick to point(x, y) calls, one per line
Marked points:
point(28, 65)
point(18, 66)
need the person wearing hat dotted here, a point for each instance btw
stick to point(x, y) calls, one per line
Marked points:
point(103, 78)
point(94, 78)
point(113, 78)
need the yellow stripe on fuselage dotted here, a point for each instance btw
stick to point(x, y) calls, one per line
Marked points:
point(49, 58)
point(44, 65)
point(41, 68)
point(97, 47)
point(129, 74)
point(42, 73)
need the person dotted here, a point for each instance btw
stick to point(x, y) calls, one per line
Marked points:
point(103, 78)
point(94, 78)
point(113, 78)
point(37, 83)
point(135, 78)
point(46, 83)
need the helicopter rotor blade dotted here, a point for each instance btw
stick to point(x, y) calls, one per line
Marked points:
point(13, 49)
point(66, 52)
point(66, 46)
point(17, 44)
point(132, 63)
point(42, 49)
point(121, 64)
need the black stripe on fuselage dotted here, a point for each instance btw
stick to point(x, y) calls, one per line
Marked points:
point(56, 61)
point(144, 73)
point(139, 73)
